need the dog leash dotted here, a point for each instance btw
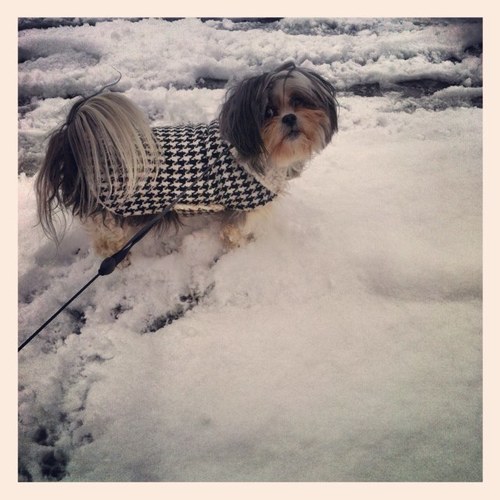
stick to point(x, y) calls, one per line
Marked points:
point(108, 265)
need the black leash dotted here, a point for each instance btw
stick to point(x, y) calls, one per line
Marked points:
point(107, 266)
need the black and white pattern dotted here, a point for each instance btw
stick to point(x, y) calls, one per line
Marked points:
point(198, 174)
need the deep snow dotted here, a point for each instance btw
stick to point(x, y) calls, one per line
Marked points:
point(342, 344)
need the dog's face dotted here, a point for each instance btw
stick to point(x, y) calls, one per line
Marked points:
point(280, 119)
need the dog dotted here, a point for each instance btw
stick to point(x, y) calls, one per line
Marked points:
point(106, 165)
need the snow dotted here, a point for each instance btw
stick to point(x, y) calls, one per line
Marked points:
point(342, 344)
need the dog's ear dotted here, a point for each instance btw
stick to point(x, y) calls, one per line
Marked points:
point(325, 94)
point(242, 116)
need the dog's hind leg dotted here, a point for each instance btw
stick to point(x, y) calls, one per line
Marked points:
point(108, 236)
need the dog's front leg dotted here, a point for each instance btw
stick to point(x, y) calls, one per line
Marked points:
point(237, 228)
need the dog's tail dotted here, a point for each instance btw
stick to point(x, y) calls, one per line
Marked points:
point(105, 138)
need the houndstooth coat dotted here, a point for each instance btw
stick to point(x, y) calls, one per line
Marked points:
point(198, 174)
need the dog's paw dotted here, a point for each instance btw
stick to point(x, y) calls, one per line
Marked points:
point(232, 236)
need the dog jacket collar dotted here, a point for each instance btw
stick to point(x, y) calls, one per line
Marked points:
point(198, 174)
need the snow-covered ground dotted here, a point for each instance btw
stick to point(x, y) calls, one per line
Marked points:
point(342, 344)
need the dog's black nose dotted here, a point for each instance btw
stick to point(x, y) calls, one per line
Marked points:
point(289, 120)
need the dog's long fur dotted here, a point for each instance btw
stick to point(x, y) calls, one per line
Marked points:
point(275, 122)
point(106, 136)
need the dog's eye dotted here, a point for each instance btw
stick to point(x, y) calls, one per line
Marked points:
point(270, 112)
point(297, 102)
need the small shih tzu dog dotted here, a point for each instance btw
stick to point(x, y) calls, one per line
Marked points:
point(107, 166)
